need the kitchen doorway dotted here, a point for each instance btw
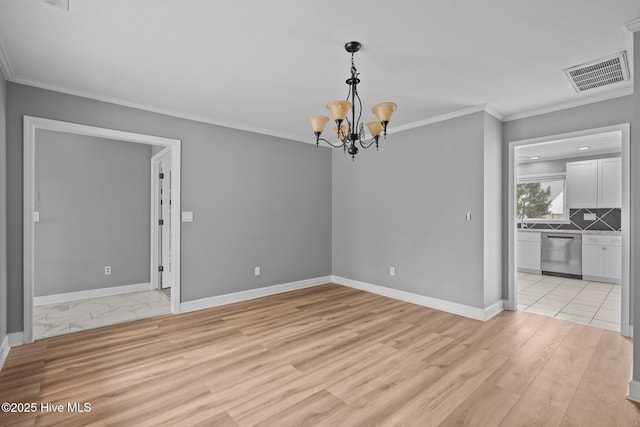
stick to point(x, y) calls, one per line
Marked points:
point(569, 194)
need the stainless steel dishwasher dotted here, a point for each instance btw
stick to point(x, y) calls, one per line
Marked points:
point(561, 254)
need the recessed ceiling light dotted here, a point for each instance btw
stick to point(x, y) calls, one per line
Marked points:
point(583, 148)
point(534, 157)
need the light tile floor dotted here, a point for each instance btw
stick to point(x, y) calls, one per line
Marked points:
point(580, 301)
point(62, 318)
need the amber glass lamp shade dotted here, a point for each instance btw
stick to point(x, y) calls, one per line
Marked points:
point(339, 109)
point(318, 123)
point(375, 128)
point(384, 111)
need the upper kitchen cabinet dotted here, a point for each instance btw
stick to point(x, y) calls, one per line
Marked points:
point(594, 183)
point(610, 183)
point(582, 184)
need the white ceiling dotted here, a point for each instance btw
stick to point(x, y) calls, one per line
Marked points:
point(266, 66)
point(604, 143)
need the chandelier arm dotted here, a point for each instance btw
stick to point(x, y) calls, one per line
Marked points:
point(360, 113)
point(331, 144)
point(347, 117)
point(348, 94)
point(367, 144)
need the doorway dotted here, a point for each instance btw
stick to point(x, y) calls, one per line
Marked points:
point(33, 124)
point(593, 294)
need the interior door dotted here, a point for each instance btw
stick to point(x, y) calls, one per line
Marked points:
point(165, 235)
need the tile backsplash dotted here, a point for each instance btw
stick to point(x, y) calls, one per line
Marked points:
point(606, 219)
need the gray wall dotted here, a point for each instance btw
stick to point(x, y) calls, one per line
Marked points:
point(94, 197)
point(3, 209)
point(257, 200)
point(492, 198)
point(405, 207)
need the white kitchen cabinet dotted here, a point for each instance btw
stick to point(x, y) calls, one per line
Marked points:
point(528, 252)
point(582, 184)
point(594, 183)
point(610, 183)
point(602, 258)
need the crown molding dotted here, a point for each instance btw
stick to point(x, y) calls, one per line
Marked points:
point(628, 41)
point(5, 65)
point(571, 104)
point(448, 116)
point(164, 111)
point(396, 129)
point(633, 26)
point(489, 109)
point(179, 114)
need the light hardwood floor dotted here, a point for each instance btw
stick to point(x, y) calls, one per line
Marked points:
point(327, 355)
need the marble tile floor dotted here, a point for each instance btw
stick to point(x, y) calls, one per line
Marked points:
point(580, 301)
point(62, 318)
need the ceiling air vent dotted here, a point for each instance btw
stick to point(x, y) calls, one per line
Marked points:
point(601, 72)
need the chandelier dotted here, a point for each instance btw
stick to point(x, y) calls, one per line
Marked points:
point(351, 132)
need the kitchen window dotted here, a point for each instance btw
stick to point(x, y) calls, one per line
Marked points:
point(541, 198)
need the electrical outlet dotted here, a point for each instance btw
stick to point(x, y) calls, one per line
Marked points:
point(256, 271)
point(392, 271)
point(590, 217)
point(107, 270)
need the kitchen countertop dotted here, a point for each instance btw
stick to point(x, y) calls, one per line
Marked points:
point(542, 230)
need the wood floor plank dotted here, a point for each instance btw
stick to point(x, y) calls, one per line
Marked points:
point(487, 406)
point(326, 355)
point(600, 398)
point(307, 412)
point(546, 400)
point(531, 357)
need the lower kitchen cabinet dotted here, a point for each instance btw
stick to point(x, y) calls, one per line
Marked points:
point(602, 258)
point(528, 252)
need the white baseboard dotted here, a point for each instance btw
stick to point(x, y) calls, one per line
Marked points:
point(15, 339)
point(634, 391)
point(4, 350)
point(251, 294)
point(494, 309)
point(529, 270)
point(91, 293)
point(438, 304)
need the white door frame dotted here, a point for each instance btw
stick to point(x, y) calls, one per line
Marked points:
point(624, 130)
point(31, 124)
point(155, 259)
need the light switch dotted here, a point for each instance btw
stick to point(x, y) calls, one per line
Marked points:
point(187, 216)
point(590, 217)
point(468, 216)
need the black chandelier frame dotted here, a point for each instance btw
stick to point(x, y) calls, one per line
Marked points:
point(348, 140)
